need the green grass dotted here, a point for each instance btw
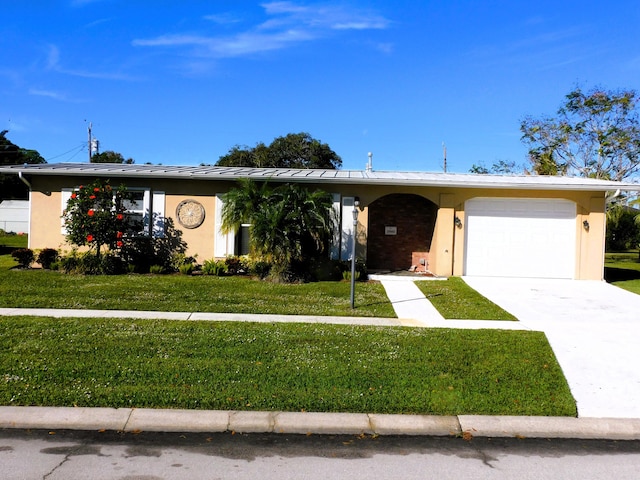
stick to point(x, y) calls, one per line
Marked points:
point(623, 270)
point(454, 299)
point(283, 367)
point(181, 293)
point(9, 242)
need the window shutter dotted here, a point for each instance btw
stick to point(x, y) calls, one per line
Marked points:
point(65, 195)
point(347, 228)
point(157, 216)
point(334, 248)
point(224, 242)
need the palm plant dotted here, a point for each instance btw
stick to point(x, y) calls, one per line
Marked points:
point(290, 225)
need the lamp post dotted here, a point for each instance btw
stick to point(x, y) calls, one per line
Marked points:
point(356, 204)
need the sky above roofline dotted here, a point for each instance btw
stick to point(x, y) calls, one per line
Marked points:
point(183, 82)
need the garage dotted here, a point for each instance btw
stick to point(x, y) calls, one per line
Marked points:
point(520, 237)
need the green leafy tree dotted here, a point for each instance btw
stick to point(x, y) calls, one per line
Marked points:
point(501, 167)
point(595, 134)
point(110, 156)
point(290, 225)
point(11, 154)
point(623, 231)
point(295, 150)
point(96, 216)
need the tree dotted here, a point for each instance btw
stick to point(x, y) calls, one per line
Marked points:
point(96, 216)
point(501, 167)
point(11, 154)
point(290, 225)
point(295, 150)
point(110, 156)
point(595, 134)
point(623, 228)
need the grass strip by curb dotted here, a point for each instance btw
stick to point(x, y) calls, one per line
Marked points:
point(282, 367)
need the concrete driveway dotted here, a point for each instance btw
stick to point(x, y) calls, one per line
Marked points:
point(594, 330)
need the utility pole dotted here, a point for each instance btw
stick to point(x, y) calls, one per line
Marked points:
point(90, 145)
point(444, 154)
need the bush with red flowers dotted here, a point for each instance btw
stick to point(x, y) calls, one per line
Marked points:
point(95, 216)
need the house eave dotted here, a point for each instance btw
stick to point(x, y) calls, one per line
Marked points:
point(330, 177)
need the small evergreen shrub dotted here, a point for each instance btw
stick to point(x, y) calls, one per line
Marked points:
point(156, 269)
point(24, 257)
point(46, 257)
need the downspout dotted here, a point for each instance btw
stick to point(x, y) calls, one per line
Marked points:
point(28, 184)
point(24, 180)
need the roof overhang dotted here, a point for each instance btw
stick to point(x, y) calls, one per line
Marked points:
point(351, 177)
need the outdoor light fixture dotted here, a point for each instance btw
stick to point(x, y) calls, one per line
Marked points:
point(585, 224)
point(356, 204)
point(457, 222)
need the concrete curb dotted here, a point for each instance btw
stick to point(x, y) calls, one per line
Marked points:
point(213, 421)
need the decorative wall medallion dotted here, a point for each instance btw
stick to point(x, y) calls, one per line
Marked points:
point(190, 213)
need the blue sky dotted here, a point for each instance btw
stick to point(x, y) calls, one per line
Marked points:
point(181, 82)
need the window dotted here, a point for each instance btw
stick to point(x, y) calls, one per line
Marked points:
point(145, 211)
point(137, 212)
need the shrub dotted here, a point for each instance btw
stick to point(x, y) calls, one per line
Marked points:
point(24, 257)
point(46, 257)
point(111, 264)
point(178, 260)
point(70, 263)
point(156, 269)
point(214, 267)
point(236, 265)
point(259, 267)
point(186, 269)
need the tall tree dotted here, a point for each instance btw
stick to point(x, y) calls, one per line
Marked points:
point(295, 150)
point(595, 134)
point(11, 154)
point(290, 225)
point(110, 156)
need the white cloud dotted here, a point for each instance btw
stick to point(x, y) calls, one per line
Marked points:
point(47, 93)
point(53, 64)
point(287, 24)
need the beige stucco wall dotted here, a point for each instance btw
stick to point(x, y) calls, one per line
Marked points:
point(447, 246)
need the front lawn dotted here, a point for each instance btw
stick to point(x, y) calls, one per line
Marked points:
point(182, 293)
point(623, 270)
point(454, 299)
point(278, 367)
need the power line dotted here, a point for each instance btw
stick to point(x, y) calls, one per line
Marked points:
point(79, 148)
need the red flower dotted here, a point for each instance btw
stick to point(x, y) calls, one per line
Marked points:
point(90, 212)
point(89, 238)
point(80, 187)
point(92, 197)
point(119, 235)
point(119, 216)
point(96, 189)
point(73, 195)
point(119, 243)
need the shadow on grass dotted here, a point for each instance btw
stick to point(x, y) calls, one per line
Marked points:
point(612, 274)
point(6, 250)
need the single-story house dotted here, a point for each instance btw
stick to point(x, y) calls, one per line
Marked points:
point(447, 223)
point(14, 216)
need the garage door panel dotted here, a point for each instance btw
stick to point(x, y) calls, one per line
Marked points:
point(520, 238)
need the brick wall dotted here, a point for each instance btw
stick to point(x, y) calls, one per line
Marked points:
point(414, 220)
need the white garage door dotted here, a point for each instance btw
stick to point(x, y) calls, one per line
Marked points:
point(520, 237)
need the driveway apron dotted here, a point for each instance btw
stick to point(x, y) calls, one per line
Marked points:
point(594, 330)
